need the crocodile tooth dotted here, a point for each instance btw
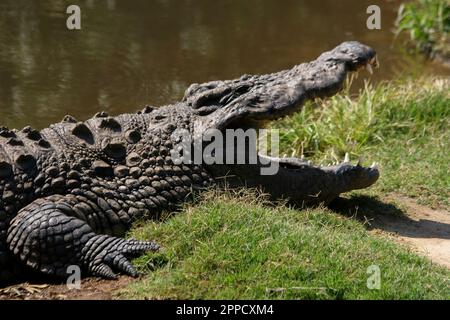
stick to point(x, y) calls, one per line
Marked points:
point(347, 157)
point(374, 61)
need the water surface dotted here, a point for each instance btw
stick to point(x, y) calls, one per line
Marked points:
point(131, 53)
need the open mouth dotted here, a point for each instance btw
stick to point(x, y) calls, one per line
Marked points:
point(253, 101)
point(363, 176)
point(369, 66)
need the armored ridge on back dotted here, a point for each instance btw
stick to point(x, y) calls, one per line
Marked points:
point(69, 192)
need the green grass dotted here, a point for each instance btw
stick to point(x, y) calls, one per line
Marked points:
point(428, 25)
point(403, 125)
point(238, 246)
point(418, 169)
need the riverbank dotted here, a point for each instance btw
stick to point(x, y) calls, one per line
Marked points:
point(428, 25)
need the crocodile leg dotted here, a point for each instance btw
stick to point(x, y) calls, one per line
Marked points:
point(52, 233)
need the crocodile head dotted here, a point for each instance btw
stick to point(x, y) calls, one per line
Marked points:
point(253, 100)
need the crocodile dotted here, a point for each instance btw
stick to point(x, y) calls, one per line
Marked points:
point(70, 192)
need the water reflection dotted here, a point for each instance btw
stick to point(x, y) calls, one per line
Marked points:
point(130, 53)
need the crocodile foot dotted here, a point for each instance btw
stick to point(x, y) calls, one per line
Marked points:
point(51, 234)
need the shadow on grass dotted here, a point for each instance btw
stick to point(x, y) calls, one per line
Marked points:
point(376, 214)
point(362, 207)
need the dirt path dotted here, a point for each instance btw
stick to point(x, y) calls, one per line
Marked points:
point(91, 289)
point(426, 230)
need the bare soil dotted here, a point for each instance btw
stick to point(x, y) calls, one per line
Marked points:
point(91, 289)
point(425, 230)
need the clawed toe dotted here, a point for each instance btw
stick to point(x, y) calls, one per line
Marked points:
point(136, 247)
point(115, 256)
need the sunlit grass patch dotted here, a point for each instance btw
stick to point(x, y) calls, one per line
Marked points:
point(236, 247)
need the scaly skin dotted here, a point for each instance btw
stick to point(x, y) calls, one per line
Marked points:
point(71, 191)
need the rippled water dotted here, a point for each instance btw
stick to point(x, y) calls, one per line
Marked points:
point(131, 53)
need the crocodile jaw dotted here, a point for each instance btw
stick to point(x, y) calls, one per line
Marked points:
point(251, 100)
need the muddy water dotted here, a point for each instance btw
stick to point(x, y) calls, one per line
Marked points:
point(130, 53)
